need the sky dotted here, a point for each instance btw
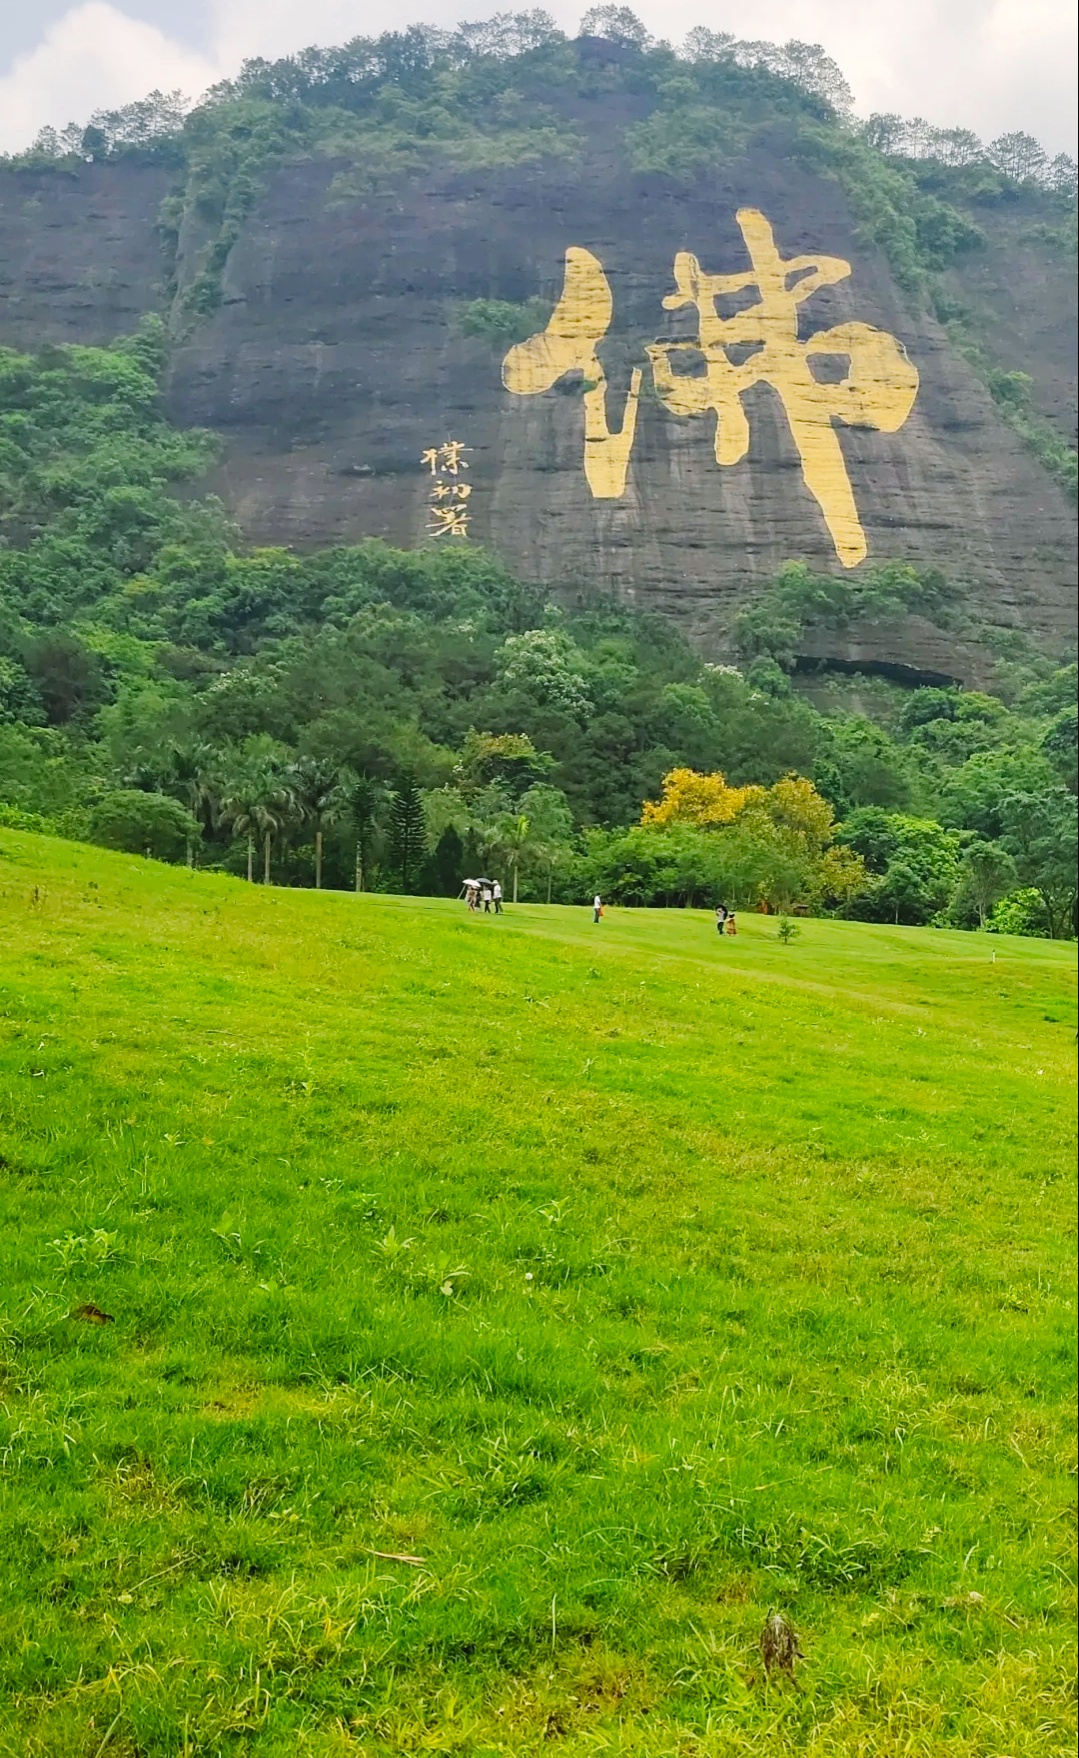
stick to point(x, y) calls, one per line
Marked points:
point(989, 65)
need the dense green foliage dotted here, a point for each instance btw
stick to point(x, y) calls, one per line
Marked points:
point(272, 711)
point(506, 1315)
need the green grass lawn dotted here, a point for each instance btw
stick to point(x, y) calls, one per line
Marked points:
point(508, 1314)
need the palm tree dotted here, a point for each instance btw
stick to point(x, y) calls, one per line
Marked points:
point(513, 836)
point(321, 799)
point(364, 803)
point(192, 779)
point(254, 801)
point(238, 809)
point(550, 853)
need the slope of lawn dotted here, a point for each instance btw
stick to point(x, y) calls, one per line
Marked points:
point(507, 1314)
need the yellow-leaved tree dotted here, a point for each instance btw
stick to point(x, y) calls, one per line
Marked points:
point(705, 801)
point(777, 845)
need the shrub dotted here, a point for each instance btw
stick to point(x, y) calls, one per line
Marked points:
point(1021, 912)
point(140, 823)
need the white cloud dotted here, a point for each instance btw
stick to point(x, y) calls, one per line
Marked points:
point(990, 65)
point(93, 58)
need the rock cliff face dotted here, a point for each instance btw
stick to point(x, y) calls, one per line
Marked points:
point(336, 359)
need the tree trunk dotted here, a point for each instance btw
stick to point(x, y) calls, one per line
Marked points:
point(550, 880)
point(250, 859)
point(318, 860)
point(190, 850)
point(515, 881)
point(266, 858)
point(359, 867)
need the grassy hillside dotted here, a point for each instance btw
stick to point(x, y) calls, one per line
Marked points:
point(506, 1314)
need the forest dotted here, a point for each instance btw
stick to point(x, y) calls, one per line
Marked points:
point(363, 716)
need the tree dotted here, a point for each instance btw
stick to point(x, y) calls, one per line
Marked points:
point(143, 824)
point(1020, 912)
point(618, 24)
point(704, 800)
point(238, 809)
point(1060, 742)
point(513, 836)
point(546, 665)
point(18, 698)
point(915, 859)
point(794, 805)
point(551, 827)
point(446, 865)
point(988, 874)
point(68, 677)
point(1019, 156)
point(407, 830)
point(1040, 832)
point(975, 797)
point(364, 803)
point(906, 893)
point(839, 878)
point(192, 778)
point(509, 758)
point(255, 797)
point(321, 800)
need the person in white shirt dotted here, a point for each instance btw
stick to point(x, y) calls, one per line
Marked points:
point(496, 893)
point(597, 907)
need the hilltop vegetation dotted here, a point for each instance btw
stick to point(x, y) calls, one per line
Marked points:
point(503, 1316)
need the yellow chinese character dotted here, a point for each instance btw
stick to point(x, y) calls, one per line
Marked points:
point(461, 490)
point(451, 456)
point(568, 344)
point(449, 521)
point(878, 389)
point(430, 457)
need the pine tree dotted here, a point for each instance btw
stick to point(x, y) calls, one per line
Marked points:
point(407, 833)
point(446, 867)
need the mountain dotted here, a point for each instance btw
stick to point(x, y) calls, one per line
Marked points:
point(353, 249)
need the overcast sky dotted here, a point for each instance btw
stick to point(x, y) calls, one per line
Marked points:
point(990, 65)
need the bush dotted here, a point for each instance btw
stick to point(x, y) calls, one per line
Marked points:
point(14, 818)
point(140, 823)
point(501, 323)
point(1021, 912)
